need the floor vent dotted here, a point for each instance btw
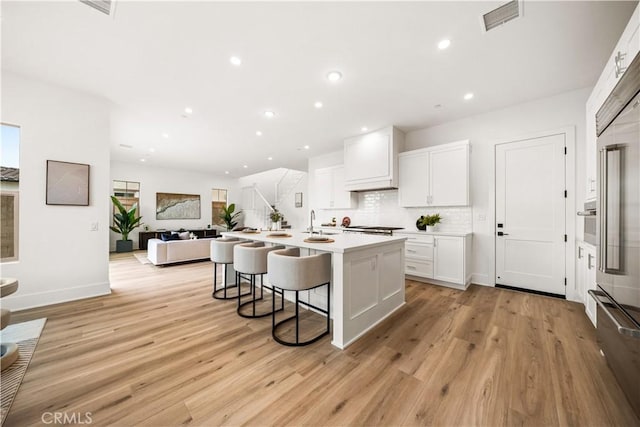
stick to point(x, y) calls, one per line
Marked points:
point(502, 15)
point(104, 6)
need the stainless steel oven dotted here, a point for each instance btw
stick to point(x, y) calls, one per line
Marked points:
point(590, 222)
point(618, 232)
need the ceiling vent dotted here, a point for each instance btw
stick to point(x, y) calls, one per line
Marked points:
point(502, 15)
point(105, 6)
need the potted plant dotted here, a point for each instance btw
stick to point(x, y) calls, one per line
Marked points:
point(124, 222)
point(429, 222)
point(275, 216)
point(229, 217)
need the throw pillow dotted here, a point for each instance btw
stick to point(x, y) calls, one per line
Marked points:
point(165, 237)
point(184, 236)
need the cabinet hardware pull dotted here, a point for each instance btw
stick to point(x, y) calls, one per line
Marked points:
point(589, 258)
point(623, 330)
point(579, 252)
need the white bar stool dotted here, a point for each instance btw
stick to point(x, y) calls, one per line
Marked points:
point(221, 252)
point(288, 271)
point(250, 259)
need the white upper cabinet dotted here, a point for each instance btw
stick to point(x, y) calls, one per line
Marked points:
point(330, 190)
point(449, 175)
point(413, 178)
point(371, 160)
point(435, 176)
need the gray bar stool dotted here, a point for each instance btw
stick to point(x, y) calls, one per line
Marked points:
point(250, 259)
point(221, 252)
point(288, 271)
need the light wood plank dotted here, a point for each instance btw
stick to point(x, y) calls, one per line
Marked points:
point(160, 351)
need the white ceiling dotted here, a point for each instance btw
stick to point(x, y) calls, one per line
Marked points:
point(152, 59)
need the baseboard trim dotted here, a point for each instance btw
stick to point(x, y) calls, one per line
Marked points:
point(480, 279)
point(531, 291)
point(19, 302)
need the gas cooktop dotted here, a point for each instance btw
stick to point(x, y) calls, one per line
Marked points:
point(372, 229)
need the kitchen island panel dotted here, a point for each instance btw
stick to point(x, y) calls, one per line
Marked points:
point(367, 278)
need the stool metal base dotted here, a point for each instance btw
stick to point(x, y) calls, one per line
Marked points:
point(221, 293)
point(296, 318)
point(255, 298)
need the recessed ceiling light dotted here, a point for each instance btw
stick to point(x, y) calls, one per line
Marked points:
point(188, 110)
point(152, 150)
point(443, 44)
point(245, 166)
point(437, 106)
point(258, 133)
point(127, 146)
point(306, 147)
point(235, 60)
point(364, 129)
point(468, 96)
point(318, 104)
point(334, 76)
point(143, 160)
point(269, 158)
point(226, 172)
point(269, 114)
point(165, 135)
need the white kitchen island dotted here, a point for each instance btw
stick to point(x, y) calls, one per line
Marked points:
point(367, 277)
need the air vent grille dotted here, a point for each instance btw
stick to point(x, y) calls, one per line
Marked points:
point(501, 15)
point(103, 6)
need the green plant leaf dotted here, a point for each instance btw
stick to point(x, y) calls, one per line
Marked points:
point(124, 221)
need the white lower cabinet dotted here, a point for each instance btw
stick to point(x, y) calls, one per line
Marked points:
point(448, 262)
point(444, 259)
point(586, 277)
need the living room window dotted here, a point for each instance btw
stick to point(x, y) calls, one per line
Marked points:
point(218, 202)
point(128, 193)
point(9, 192)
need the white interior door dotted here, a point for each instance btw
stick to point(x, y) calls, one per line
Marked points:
point(530, 214)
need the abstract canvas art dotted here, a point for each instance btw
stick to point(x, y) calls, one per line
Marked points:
point(67, 183)
point(177, 206)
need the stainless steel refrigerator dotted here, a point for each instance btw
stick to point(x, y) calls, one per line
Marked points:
point(618, 232)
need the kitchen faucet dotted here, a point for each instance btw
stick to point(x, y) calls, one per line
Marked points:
point(311, 218)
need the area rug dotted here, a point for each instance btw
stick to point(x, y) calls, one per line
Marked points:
point(142, 257)
point(26, 335)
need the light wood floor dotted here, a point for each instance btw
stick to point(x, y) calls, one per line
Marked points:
point(161, 351)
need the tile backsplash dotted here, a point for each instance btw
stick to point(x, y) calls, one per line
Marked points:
point(381, 208)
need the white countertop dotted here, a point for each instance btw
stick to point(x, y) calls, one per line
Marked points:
point(343, 242)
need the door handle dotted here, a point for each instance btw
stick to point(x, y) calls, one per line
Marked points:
point(500, 233)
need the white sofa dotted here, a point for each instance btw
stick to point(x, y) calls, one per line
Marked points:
point(160, 252)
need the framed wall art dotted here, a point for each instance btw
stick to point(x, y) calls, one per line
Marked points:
point(67, 183)
point(177, 206)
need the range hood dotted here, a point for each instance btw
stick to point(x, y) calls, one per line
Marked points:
point(371, 160)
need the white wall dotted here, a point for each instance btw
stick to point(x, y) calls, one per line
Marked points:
point(163, 180)
point(60, 259)
point(484, 131)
